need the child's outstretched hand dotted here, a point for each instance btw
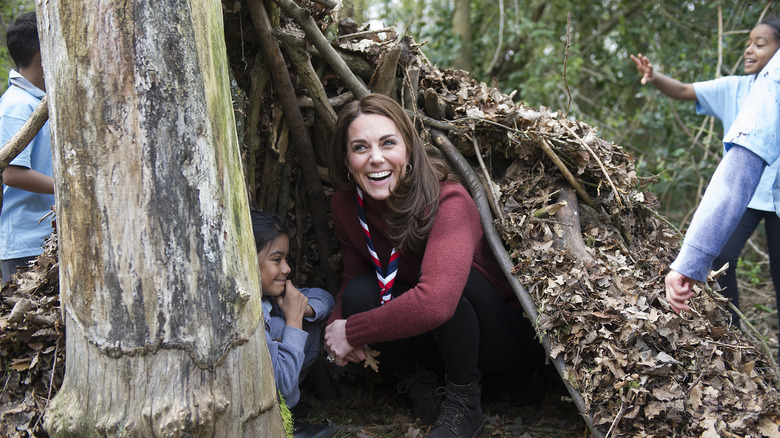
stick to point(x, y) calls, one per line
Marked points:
point(645, 68)
point(294, 304)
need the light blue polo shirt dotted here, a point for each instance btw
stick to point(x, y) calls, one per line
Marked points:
point(20, 233)
point(757, 124)
point(723, 98)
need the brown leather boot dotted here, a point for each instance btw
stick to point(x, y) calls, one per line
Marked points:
point(461, 412)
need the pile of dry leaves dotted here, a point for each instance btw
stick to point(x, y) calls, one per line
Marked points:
point(32, 345)
point(641, 369)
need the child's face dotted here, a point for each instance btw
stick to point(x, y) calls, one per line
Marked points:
point(761, 46)
point(272, 262)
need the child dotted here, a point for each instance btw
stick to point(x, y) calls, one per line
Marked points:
point(723, 98)
point(28, 191)
point(293, 317)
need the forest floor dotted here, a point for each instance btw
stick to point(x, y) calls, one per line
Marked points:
point(528, 406)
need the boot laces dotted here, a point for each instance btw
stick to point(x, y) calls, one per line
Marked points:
point(453, 408)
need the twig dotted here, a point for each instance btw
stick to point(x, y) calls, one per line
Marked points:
point(497, 246)
point(547, 148)
point(488, 181)
point(500, 36)
point(51, 382)
point(365, 32)
point(309, 26)
point(752, 329)
point(617, 419)
point(565, 59)
point(330, 4)
point(598, 160)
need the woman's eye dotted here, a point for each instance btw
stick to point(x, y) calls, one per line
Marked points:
point(358, 147)
point(389, 143)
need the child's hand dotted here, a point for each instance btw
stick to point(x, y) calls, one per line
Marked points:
point(294, 304)
point(645, 68)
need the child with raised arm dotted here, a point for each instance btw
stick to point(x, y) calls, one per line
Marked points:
point(723, 98)
point(294, 317)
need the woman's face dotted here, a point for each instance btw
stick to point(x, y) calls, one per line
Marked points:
point(376, 155)
point(761, 46)
point(272, 262)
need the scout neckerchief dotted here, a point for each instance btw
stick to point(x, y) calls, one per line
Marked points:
point(385, 278)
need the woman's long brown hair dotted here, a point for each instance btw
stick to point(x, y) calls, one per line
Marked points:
point(413, 203)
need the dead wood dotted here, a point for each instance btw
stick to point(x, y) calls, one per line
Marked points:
point(308, 25)
point(383, 80)
point(259, 78)
point(303, 145)
point(299, 57)
point(569, 237)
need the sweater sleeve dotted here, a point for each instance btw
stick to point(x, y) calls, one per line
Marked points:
point(719, 211)
point(287, 354)
point(445, 269)
point(320, 301)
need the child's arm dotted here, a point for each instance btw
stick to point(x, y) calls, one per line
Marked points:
point(669, 86)
point(24, 178)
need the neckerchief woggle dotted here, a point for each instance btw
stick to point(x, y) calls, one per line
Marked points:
point(385, 278)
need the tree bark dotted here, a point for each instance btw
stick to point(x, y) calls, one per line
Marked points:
point(461, 27)
point(158, 273)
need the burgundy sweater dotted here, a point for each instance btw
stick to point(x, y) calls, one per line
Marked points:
point(437, 276)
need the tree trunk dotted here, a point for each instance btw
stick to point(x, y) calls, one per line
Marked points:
point(461, 27)
point(158, 272)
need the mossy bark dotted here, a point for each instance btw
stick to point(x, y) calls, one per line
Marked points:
point(158, 276)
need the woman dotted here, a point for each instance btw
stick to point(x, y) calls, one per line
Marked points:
point(431, 281)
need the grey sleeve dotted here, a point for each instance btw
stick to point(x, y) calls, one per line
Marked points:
point(720, 210)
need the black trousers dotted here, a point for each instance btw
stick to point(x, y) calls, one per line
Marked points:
point(733, 248)
point(484, 334)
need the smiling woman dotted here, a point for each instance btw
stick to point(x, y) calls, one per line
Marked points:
point(420, 283)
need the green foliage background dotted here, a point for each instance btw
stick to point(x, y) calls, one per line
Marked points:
point(9, 10)
point(675, 149)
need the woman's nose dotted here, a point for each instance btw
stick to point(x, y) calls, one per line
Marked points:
point(285, 268)
point(376, 155)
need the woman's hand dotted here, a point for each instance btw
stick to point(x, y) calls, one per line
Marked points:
point(645, 68)
point(337, 345)
point(293, 304)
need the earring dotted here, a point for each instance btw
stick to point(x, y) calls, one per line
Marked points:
point(408, 167)
point(349, 176)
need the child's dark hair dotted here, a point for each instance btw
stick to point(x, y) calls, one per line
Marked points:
point(266, 227)
point(22, 39)
point(774, 23)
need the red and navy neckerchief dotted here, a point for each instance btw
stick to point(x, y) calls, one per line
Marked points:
point(385, 278)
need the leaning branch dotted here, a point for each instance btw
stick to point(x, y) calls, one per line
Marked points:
point(304, 149)
point(309, 26)
point(24, 136)
point(468, 175)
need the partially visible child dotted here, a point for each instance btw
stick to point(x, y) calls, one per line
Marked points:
point(28, 186)
point(293, 317)
point(723, 98)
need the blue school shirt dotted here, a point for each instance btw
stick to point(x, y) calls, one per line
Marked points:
point(723, 98)
point(20, 233)
point(757, 126)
